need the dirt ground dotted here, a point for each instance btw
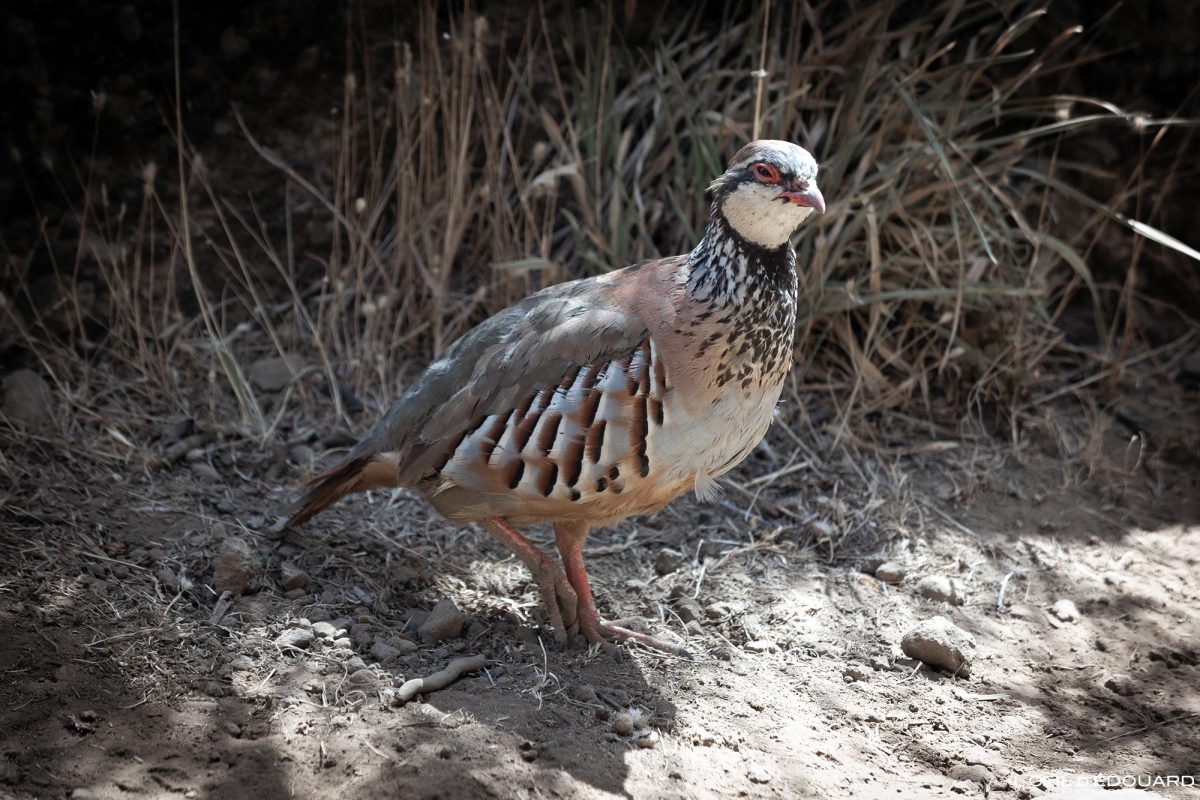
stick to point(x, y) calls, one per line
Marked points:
point(126, 674)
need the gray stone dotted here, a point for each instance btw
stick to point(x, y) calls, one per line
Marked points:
point(237, 570)
point(941, 588)
point(273, 374)
point(940, 643)
point(445, 621)
point(1121, 683)
point(1065, 610)
point(667, 561)
point(242, 662)
point(295, 637)
point(689, 610)
point(383, 652)
point(891, 572)
point(292, 577)
point(363, 677)
point(327, 630)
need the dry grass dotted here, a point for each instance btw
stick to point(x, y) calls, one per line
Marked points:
point(474, 159)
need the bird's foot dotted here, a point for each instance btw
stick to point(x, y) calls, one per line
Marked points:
point(558, 598)
point(599, 632)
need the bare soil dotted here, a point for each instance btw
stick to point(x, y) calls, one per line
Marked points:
point(125, 674)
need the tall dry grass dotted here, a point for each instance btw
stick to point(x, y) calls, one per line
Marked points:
point(475, 158)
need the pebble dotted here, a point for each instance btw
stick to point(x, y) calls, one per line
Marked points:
point(585, 693)
point(292, 577)
point(628, 721)
point(272, 374)
point(647, 739)
point(241, 662)
point(975, 773)
point(27, 399)
point(1065, 610)
point(941, 588)
point(295, 637)
point(667, 561)
point(237, 569)
point(891, 572)
point(1121, 683)
point(383, 652)
point(354, 664)
point(940, 643)
point(84, 794)
point(760, 646)
point(689, 610)
point(445, 621)
point(326, 630)
point(758, 774)
point(363, 677)
point(854, 672)
point(721, 610)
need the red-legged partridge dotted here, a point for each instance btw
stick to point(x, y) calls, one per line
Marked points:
point(598, 399)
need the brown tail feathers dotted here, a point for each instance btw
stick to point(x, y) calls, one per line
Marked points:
point(355, 475)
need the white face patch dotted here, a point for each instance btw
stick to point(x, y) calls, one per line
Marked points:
point(755, 211)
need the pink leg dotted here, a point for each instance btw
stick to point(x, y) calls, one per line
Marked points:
point(570, 538)
point(557, 595)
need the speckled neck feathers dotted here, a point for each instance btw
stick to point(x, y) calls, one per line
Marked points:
point(748, 293)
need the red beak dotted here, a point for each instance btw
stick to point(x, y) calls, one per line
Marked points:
point(809, 198)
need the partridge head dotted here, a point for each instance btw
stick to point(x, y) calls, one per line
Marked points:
point(769, 189)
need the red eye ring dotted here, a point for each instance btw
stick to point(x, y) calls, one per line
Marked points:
point(765, 172)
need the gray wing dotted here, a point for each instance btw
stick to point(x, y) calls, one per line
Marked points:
point(523, 349)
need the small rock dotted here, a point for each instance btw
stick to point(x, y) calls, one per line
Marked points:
point(354, 663)
point(27, 399)
point(940, 643)
point(975, 773)
point(295, 637)
point(628, 721)
point(718, 611)
point(84, 794)
point(760, 646)
point(758, 774)
point(292, 577)
point(585, 693)
point(854, 672)
point(941, 588)
point(667, 561)
point(445, 621)
point(1121, 683)
point(1065, 610)
point(237, 570)
point(273, 374)
point(689, 610)
point(383, 652)
point(647, 739)
point(529, 751)
point(891, 572)
point(363, 677)
point(242, 662)
point(326, 630)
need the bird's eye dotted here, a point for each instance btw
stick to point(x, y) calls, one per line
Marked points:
point(763, 171)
